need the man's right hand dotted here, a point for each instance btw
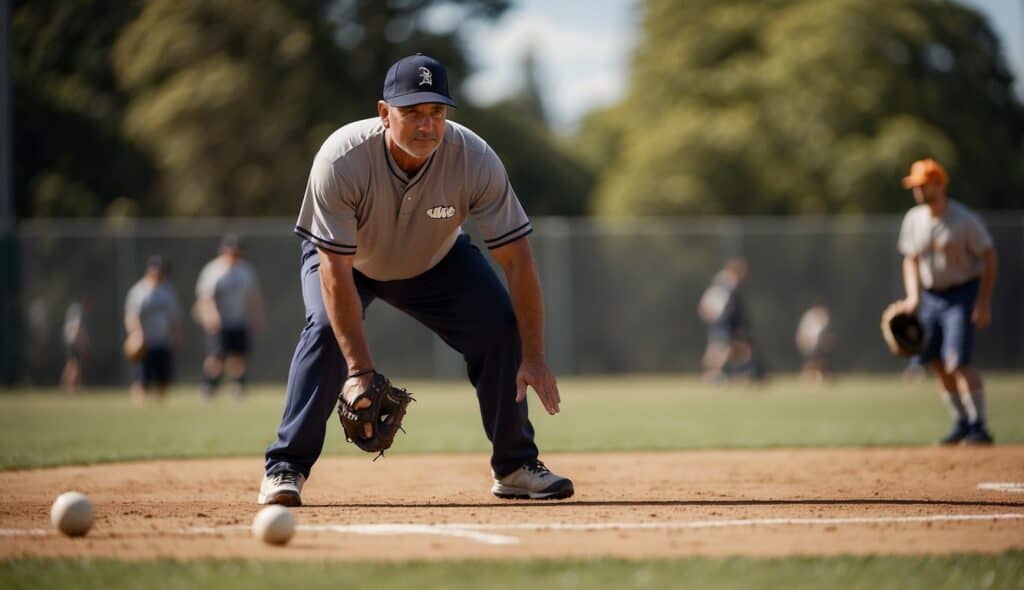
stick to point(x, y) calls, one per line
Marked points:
point(351, 389)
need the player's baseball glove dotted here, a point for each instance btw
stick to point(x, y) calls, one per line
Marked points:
point(902, 331)
point(134, 346)
point(384, 414)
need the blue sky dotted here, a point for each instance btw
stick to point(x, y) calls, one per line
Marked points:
point(583, 50)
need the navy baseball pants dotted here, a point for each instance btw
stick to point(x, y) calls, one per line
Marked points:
point(462, 300)
point(948, 330)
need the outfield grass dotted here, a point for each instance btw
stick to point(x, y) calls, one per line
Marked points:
point(598, 414)
point(997, 572)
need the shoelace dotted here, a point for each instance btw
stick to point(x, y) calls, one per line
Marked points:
point(286, 477)
point(537, 467)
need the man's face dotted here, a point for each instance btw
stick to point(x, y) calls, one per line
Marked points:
point(928, 192)
point(418, 129)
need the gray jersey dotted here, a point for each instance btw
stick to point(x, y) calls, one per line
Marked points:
point(948, 248)
point(157, 309)
point(230, 287)
point(358, 201)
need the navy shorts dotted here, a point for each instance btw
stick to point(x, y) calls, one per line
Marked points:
point(228, 342)
point(948, 330)
point(155, 368)
point(721, 334)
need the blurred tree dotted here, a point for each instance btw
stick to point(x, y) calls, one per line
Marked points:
point(231, 98)
point(186, 107)
point(70, 158)
point(801, 106)
point(548, 179)
point(528, 103)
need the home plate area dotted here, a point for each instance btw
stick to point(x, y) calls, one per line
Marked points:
point(776, 502)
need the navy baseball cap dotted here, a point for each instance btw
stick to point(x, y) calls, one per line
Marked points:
point(157, 262)
point(417, 79)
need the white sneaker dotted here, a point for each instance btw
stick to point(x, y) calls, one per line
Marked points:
point(284, 487)
point(532, 481)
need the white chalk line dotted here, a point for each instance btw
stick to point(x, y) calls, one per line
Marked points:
point(24, 532)
point(749, 522)
point(1003, 486)
point(458, 531)
point(477, 532)
point(474, 531)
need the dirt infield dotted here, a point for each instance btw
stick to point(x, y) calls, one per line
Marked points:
point(771, 502)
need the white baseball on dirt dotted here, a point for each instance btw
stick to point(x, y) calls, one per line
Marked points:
point(274, 525)
point(72, 514)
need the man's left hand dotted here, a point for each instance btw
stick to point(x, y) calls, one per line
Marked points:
point(982, 314)
point(536, 374)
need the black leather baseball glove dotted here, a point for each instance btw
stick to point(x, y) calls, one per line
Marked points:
point(384, 414)
point(902, 331)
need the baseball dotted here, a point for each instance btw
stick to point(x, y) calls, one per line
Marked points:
point(274, 525)
point(72, 514)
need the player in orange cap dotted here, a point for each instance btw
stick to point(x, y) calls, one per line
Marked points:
point(949, 269)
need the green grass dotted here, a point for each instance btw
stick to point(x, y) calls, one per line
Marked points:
point(996, 572)
point(599, 414)
point(44, 428)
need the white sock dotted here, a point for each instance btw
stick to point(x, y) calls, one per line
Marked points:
point(974, 402)
point(955, 406)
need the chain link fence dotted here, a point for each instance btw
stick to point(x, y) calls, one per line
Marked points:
point(621, 296)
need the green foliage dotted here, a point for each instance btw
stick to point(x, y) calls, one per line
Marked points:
point(547, 178)
point(195, 107)
point(220, 95)
point(70, 157)
point(801, 106)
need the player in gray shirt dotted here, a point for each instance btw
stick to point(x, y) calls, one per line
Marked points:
point(151, 309)
point(949, 269)
point(382, 219)
point(228, 306)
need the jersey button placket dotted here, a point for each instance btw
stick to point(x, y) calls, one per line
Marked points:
point(407, 201)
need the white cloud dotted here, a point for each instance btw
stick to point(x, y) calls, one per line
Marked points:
point(581, 66)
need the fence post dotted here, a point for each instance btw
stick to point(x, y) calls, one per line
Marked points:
point(126, 271)
point(556, 281)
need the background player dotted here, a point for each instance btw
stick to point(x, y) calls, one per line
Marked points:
point(949, 269)
point(76, 345)
point(152, 313)
point(381, 218)
point(227, 305)
point(814, 339)
point(729, 352)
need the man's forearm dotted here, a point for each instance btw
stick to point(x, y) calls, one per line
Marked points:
point(988, 275)
point(911, 281)
point(528, 303)
point(516, 260)
point(344, 309)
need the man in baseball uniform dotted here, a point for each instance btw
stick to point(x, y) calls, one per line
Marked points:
point(227, 305)
point(949, 269)
point(729, 353)
point(382, 219)
point(151, 311)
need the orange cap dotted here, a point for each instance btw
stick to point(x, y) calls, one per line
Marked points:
point(925, 171)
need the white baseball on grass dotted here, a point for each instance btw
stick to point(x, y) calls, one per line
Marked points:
point(274, 525)
point(72, 514)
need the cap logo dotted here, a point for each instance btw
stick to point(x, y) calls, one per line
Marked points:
point(426, 77)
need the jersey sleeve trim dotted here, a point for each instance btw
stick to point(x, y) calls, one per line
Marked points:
point(325, 244)
point(497, 243)
point(491, 241)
